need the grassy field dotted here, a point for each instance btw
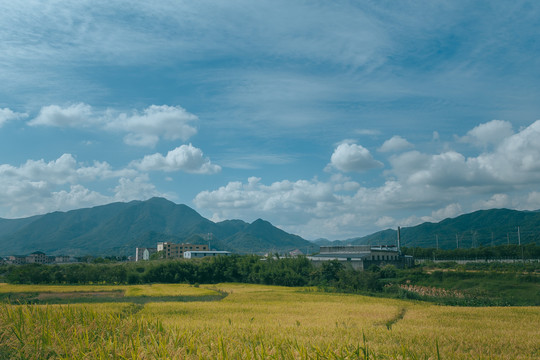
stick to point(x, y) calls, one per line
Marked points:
point(261, 322)
point(128, 290)
point(61, 294)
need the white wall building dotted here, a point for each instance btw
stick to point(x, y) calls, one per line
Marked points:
point(201, 254)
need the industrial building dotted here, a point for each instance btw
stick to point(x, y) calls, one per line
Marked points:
point(201, 254)
point(361, 257)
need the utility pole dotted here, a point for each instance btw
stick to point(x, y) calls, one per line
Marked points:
point(519, 242)
point(437, 244)
point(492, 239)
point(457, 242)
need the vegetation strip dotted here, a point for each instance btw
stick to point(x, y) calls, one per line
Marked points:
point(99, 297)
point(395, 319)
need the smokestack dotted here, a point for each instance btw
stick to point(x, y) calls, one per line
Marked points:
point(399, 239)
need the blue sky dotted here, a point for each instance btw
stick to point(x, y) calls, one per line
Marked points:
point(329, 119)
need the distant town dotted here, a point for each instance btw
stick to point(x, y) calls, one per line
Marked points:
point(358, 257)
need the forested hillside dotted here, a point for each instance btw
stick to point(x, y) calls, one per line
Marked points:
point(118, 228)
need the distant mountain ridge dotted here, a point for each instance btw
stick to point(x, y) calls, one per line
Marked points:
point(119, 228)
point(479, 228)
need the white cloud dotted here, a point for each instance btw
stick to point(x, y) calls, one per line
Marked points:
point(138, 188)
point(77, 115)
point(512, 162)
point(77, 197)
point(8, 115)
point(396, 143)
point(185, 158)
point(449, 211)
point(283, 197)
point(533, 201)
point(449, 182)
point(64, 170)
point(38, 186)
point(490, 133)
point(310, 208)
point(144, 128)
point(515, 160)
point(353, 157)
point(496, 201)
point(385, 222)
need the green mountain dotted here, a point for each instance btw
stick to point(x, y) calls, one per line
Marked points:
point(480, 228)
point(119, 228)
point(9, 226)
point(260, 236)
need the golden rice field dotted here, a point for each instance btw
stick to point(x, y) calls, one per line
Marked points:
point(262, 322)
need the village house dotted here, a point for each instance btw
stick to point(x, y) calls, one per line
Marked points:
point(144, 253)
point(176, 251)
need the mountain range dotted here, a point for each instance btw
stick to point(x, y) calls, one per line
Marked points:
point(479, 228)
point(118, 228)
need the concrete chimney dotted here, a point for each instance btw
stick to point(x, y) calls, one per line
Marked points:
point(399, 239)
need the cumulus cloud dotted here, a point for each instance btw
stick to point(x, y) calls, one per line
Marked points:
point(490, 133)
point(63, 170)
point(138, 188)
point(513, 162)
point(449, 182)
point(352, 157)
point(497, 201)
point(8, 115)
point(185, 158)
point(142, 128)
point(311, 208)
point(533, 200)
point(77, 115)
point(396, 143)
point(301, 196)
point(75, 198)
point(146, 127)
point(449, 211)
point(40, 186)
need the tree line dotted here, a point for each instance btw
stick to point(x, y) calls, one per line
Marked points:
point(332, 276)
point(243, 269)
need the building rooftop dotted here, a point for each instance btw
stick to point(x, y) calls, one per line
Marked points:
point(342, 255)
